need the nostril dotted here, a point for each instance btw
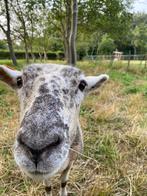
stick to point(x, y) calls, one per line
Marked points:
point(56, 142)
point(20, 141)
point(34, 154)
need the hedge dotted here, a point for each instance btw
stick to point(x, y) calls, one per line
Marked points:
point(4, 54)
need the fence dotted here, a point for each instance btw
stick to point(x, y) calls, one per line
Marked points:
point(127, 59)
point(113, 57)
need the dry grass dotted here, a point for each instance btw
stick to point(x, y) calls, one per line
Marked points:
point(114, 124)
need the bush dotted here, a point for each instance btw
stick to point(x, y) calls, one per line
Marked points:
point(3, 45)
point(60, 55)
point(4, 54)
point(51, 55)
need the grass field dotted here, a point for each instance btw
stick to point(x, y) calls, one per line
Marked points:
point(114, 122)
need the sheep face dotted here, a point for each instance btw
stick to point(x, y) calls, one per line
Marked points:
point(50, 98)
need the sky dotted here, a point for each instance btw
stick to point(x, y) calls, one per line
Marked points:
point(139, 6)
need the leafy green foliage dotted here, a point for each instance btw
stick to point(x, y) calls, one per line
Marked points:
point(3, 45)
point(106, 16)
point(135, 40)
point(107, 45)
point(4, 54)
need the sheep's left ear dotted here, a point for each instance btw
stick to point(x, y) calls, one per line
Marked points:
point(11, 77)
point(94, 82)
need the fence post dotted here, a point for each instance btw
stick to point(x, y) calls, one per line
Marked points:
point(129, 59)
point(111, 60)
point(145, 65)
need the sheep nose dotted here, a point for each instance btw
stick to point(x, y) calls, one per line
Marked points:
point(35, 153)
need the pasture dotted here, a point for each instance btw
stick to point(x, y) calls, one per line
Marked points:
point(114, 123)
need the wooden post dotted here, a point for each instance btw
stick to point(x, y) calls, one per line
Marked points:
point(145, 65)
point(129, 59)
point(111, 60)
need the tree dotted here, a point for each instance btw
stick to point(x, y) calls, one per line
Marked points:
point(42, 25)
point(95, 17)
point(73, 33)
point(21, 30)
point(7, 30)
point(138, 34)
point(105, 16)
point(29, 16)
point(63, 15)
point(106, 45)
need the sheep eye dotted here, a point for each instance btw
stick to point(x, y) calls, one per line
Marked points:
point(19, 82)
point(82, 85)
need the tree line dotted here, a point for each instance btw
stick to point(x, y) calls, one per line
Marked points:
point(43, 25)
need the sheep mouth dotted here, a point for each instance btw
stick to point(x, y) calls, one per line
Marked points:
point(39, 173)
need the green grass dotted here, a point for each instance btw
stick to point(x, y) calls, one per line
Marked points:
point(115, 137)
point(124, 77)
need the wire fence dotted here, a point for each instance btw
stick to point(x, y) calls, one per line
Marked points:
point(114, 57)
point(127, 59)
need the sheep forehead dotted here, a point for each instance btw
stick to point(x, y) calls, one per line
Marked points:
point(50, 75)
point(65, 71)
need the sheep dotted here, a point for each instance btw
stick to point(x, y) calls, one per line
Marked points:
point(49, 134)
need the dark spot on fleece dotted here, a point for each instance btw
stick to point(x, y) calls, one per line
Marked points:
point(72, 78)
point(74, 82)
point(29, 75)
point(53, 81)
point(66, 98)
point(71, 104)
point(55, 84)
point(43, 88)
point(56, 78)
point(48, 102)
point(70, 72)
point(65, 91)
point(39, 69)
point(42, 79)
point(56, 92)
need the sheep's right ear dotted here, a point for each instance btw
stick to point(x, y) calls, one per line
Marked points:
point(11, 77)
point(94, 82)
